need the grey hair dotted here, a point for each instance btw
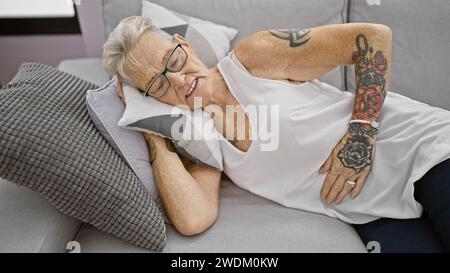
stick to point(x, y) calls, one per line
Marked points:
point(117, 48)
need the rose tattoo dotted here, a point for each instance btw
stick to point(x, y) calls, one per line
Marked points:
point(356, 153)
point(370, 70)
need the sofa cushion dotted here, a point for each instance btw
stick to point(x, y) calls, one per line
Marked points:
point(30, 224)
point(89, 69)
point(246, 223)
point(49, 144)
point(243, 16)
point(420, 51)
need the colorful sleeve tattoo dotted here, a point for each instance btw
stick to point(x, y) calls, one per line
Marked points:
point(370, 70)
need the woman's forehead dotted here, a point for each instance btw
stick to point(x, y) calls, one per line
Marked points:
point(151, 49)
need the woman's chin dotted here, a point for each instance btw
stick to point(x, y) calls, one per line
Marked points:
point(196, 100)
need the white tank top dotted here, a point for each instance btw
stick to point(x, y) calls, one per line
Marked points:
point(313, 117)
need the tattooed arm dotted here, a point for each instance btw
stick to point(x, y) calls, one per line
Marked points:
point(351, 159)
point(303, 55)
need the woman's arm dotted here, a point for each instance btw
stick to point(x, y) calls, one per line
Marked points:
point(304, 55)
point(189, 192)
point(353, 156)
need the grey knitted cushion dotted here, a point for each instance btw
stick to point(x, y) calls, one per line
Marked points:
point(49, 144)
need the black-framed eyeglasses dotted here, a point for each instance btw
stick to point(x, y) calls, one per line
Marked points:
point(159, 85)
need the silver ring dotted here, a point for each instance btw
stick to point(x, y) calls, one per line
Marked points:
point(352, 184)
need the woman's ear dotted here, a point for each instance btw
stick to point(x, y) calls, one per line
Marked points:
point(182, 40)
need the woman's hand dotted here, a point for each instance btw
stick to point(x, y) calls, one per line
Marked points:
point(158, 145)
point(350, 160)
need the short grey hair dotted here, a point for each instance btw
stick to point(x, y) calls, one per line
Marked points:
point(117, 48)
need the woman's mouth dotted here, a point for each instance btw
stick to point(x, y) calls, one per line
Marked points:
point(193, 87)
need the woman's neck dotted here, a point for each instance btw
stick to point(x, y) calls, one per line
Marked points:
point(221, 95)
point(220, 99)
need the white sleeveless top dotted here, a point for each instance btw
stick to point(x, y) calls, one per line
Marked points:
point(313, 116)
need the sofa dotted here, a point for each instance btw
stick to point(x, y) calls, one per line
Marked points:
point(246, 222)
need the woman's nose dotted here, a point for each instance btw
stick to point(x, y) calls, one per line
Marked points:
point(177, 79)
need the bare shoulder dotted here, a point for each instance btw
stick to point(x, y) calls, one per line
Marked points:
point(253, 53)
point(304, 54)
point(264, 53)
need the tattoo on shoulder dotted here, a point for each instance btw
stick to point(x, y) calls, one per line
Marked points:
point(295, 37)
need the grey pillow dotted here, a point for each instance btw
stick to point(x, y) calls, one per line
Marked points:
point(105, 110)
point(49, 144)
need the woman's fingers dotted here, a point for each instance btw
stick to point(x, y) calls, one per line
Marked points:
point(159, 141)
point(336, 189)
point(328, 184)
point(340, 188)
point(169, 145)
point(359, 185)
point(154, 138)
point(326, 166)
point(345, 190)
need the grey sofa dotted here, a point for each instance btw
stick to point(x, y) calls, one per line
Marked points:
point(248, 223)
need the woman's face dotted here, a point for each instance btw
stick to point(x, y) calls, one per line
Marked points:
point(151, 51)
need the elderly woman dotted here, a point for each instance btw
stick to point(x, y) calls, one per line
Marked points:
point(327, 137)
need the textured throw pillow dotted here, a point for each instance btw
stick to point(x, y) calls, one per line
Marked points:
point(211, 41)
point(192, 132)
point(49, 144)
point(105, 110)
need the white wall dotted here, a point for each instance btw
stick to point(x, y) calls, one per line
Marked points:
point(51, 49)
point(91, 23)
